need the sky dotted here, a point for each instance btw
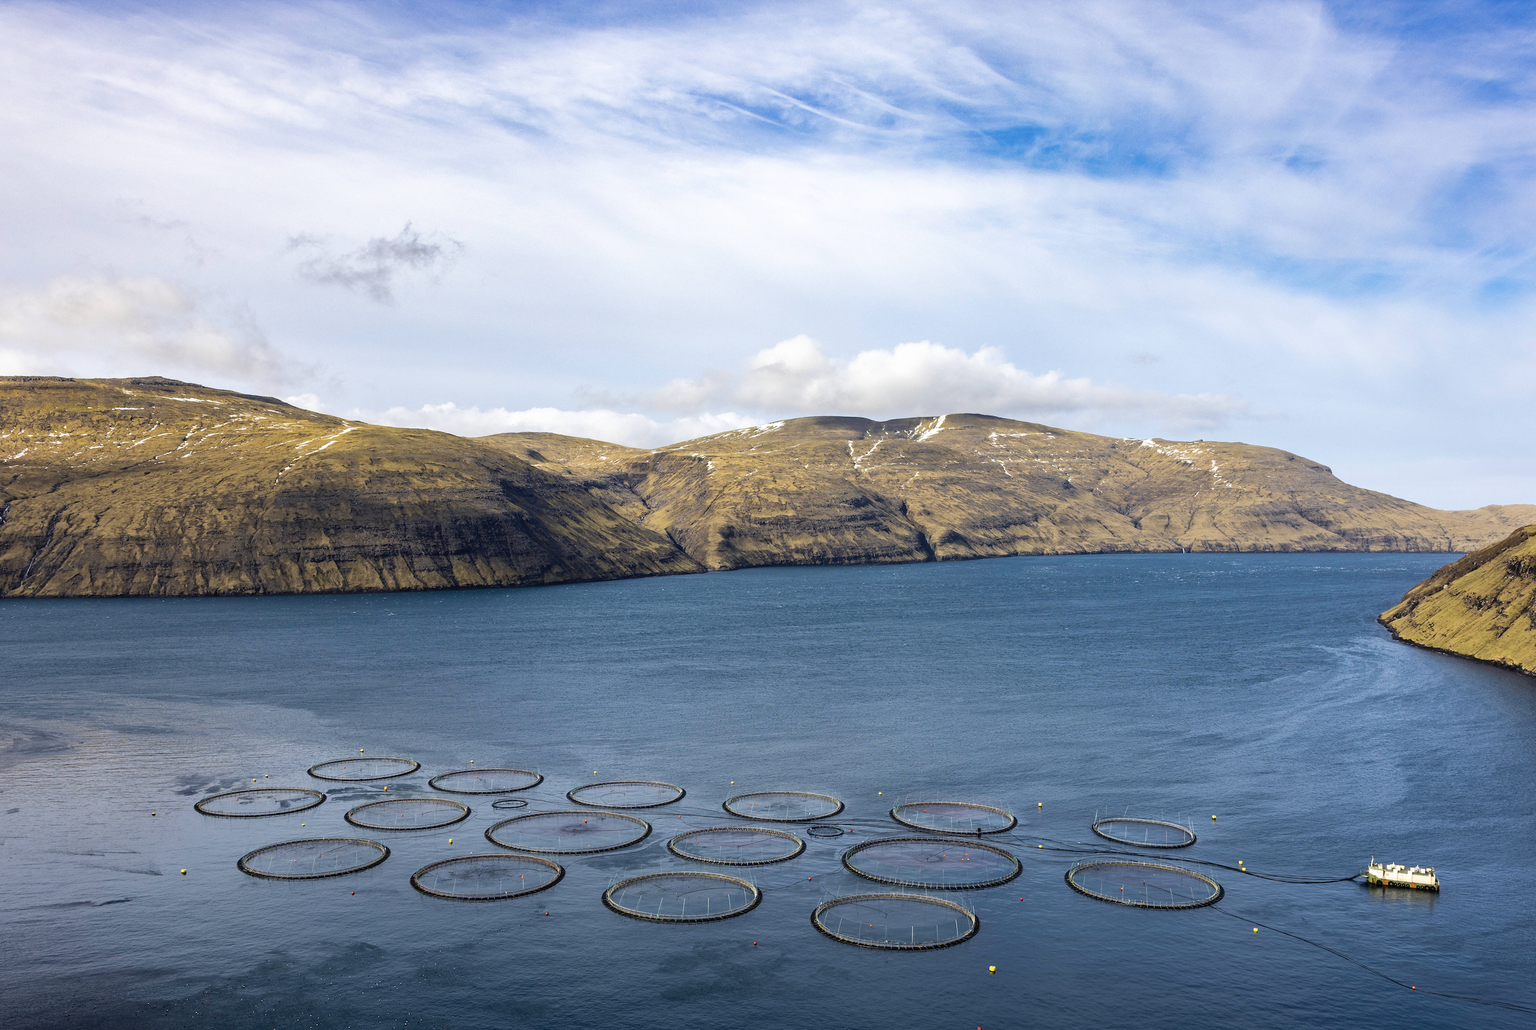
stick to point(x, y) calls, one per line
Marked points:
point(1303, 225)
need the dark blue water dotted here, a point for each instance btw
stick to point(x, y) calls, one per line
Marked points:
point(1256, 688)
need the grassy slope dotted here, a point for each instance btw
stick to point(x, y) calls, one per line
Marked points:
point(1483, 606)
point(829, 490)
point(154, 487)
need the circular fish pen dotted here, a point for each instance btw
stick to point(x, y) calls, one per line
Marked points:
point(1144, 833)
point(506, 803)
point(825, 831)
point(954, 817)
point(737, 845)
point(626, 794)
point(408, 814)
point(1143, 884)
point(784, 806)
point(682, 897)
point(936, 864)
point(264, 801)
point(898, 922)
point(485, 781)
point(487, 877)
point(568, 833)
point(313, 859)
point(348, 770)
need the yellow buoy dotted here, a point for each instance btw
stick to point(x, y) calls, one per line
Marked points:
point(991, 969)
point(359, 750)
point(183, 872)
point(1255, 929)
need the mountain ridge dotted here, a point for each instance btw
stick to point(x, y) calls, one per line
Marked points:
point(835, 489)
point(154, 487)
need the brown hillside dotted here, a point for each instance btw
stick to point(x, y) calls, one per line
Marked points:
point(1483, 606)
point(829, 490)
point(155, 487)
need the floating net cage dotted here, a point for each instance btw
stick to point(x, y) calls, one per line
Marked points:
point(899, 922)
point(1144, 833)
point(568, 833)
point(408, 814)
point(485, 781)
point(941, 864)
point(626, 794)
point(313, 859)
point(1143, 884)
point(954, 817)
point(487, 877)
point(350, 769)
point(825, 831)
point(736, 845)
point(682, 897)
point(506, 803)
point(253, 804)
point(784, 806)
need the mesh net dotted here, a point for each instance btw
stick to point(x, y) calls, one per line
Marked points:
point(313, 859)
point(922, 862)
point(1144, 833)
point(251, 804)
point(953, 817)
point(784, 806)
point(626, 794)
point(486, 877)
point(1144, 884)
point(408, 814)
point(736, 845)
point(568, 833)
point(682, 897)
point(486, 781)
point(902, 922)
point(364, 769)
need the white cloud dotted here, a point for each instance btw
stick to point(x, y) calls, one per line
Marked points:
point(631, 430)
point(796, 377)
point(126, 321)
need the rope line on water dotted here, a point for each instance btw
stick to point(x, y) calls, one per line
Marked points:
point(1512, 1006)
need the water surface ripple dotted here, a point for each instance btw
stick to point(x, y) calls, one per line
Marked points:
point(1255, 687)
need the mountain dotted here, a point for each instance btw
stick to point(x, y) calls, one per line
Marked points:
point(153, 487)
point(1483, 606)
point(826, 490)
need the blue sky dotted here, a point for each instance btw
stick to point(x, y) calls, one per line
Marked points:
point(1296, 224)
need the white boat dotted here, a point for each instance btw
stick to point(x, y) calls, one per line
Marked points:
point(1414, 877)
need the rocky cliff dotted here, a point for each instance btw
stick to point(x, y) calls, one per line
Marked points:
point(1483, 606)
point(815, 491)
point(155, 487)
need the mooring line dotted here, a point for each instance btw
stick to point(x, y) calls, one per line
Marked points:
point(1512, 1006)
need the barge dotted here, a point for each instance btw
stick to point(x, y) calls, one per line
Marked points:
point(1414, 877)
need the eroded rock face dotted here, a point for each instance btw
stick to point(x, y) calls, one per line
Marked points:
point(1483, 606)
point(154, 487)
point(814, 491)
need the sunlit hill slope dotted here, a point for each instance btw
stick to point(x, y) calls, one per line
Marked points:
point(1483, 606)
point(157, 488)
